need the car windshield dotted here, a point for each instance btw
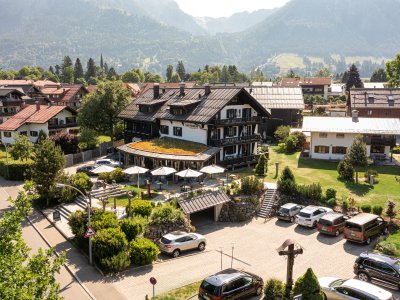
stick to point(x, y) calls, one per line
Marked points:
point(165, 241)
point(304, 215)
point(353, 227)
point(284, 210)
point(325, 222)
point(209, 288)
point(337, 283)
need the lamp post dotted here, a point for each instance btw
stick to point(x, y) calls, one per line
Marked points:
point(61, 185)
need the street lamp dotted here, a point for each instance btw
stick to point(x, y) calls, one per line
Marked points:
point(61, 185)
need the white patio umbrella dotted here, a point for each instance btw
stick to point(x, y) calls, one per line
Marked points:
point(189, 173)
point(212, 169)
point(103, 169)
point(136, 170)
point(163, 171)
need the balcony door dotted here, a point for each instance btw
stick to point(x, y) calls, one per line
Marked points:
point(246, 112)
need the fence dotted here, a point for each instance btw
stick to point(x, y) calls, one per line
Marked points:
point(73, 159)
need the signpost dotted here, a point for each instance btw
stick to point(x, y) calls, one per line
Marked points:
point(56, 216)
point(89, 232)
point(153, 281)
point(298, 297)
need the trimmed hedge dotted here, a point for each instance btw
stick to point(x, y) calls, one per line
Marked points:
point(143, 251)
point(16, 170)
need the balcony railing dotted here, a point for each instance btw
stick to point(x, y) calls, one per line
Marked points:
point(383, 141)
point(235, 140)
point(233, 121)
point(240, 160)
point(65, 125)
point(141, 135)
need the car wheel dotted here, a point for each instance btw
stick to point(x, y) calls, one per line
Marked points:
point(176, 253)
point(363, 276)
point(291, 219)
point(337, 232)
point(259, 290)
point(385, 231)
point(201, 246)
point(368, 241)
point(314, 224)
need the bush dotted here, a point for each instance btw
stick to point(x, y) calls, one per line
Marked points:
point(117, 175)
point(140, 207)
point(301, 139)
point(291, 144)
point(143, 251)
point(132, 228)
point(287, 187)
point(102, 220)
point(366, 208)
point(345, 205)
point(308, 286)
point(87, 139)
point(78, 222)
point(261, 167)
point(109, 241)
point(377, 210)
point(116, 263)
point(312, 191)
point(396, 150)
point(16, 170)
point(81, 181)
point(345, 170)
point(67, 142)
point(388, 248)
point(166, 214)
point(250, 185)
point(330, 193)
point(282, 132)
point(281, 148)
point(274, 289)
point(370, 172)
point(331, 202)
point(287, 174)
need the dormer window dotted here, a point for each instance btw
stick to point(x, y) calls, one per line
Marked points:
point(177, 111)
point(145, 109)
point(390, 99)
point(371, 97)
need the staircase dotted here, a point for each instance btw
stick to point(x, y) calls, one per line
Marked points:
point(268, 202)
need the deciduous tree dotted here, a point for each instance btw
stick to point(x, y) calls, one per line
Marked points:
point(169, 73)
point(180, 69)
point(393, 72)
point(379, 75)
point(22, 148)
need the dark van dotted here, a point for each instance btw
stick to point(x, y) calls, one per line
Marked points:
point(363, 227)
point(332, 223)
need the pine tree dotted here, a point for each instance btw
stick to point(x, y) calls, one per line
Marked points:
point(357, 154)
point(58, 70)
point(90, 69)
point(101, 61)
point(225, 77)
point(379, 75)
point(112, 75)
point(261, 167)
point(180, 69)
point(308, 286)
point(78, 70)
point(354, 79)
point(106, 69)
point(51, 70)
point(169, 72)
point(67, 62)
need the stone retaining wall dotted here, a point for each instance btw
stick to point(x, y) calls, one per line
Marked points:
point(238, 210)
point(155, 232)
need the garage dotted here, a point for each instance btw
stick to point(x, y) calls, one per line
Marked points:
point(204, 208)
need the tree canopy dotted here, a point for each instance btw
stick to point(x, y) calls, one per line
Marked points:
point(379, 75)
point(354, 79)
point(393, 71)
point(357, 154)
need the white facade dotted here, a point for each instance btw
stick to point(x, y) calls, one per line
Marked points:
point(190, 131)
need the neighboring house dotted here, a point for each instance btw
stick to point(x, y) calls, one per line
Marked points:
point(337, 90)
point(33, 118)
point(375, 103)
point(67, 94)
point(11, 101)
point(311, 86)
point(227, 119)
point(285, 105)
point(331, 136)
point(375, 85)
point(31, 92)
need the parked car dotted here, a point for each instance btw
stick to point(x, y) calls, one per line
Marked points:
point(230, 284)
point(289, 211)
point(108, 162)
point(87, 169)
point(363, 227)
point(178, 241)
point(379, 268)
point(335, 289)
point(310, 215)
point(332, 223)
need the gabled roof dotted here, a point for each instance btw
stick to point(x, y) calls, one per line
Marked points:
point(306, 81)
point(278, 97)
point(386, 126)
point(375, 98)
point(6, 91)
point(203, 201)
point(66, 91)
point(144, 87)
point(30, 114)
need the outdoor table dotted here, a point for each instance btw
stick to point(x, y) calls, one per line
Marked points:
point(186, 188)
point(159, 183)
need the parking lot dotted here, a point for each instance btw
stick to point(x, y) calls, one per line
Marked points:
point(255, 245)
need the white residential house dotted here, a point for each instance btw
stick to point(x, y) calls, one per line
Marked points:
point(331, 136)
point(32, 119)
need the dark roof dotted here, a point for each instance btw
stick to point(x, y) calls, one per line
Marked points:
point(278, 97)
point(375, 98)
point(207, 105)
point(306, 81)
point(380, 257)
point(5, 91)
point(203, 201)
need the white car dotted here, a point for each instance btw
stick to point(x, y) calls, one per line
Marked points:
point(352, 289)
point(310, 215)
point(176, 242)
point(107, 162)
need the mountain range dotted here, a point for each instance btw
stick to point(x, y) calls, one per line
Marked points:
point(152, 33)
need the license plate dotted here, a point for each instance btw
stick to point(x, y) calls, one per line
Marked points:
point(323, 227)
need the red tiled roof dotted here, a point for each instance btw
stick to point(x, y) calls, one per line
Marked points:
point(304, 81)
point(67, 92)
point(39, 83)
point(30, 114)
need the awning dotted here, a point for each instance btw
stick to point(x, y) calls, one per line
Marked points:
point(204, 201)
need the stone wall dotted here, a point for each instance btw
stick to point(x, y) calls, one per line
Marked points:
point(239, 210)
point(155, 232)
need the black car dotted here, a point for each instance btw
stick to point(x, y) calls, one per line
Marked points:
point(230, 284)
point(379, 268)
point(86, 169)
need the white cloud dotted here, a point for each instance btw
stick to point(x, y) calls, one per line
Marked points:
point(225, 8)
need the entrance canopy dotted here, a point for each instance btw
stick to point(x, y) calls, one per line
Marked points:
point(203, 202)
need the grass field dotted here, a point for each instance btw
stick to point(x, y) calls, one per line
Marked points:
point(182, 293)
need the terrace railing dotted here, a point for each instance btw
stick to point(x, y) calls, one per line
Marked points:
point(234, 121)
point(235, 140)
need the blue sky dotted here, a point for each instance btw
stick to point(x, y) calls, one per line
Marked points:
point(225, 8)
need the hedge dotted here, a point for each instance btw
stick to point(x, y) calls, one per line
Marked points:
point(16, 170)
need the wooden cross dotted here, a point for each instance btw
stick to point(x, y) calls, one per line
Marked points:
point(291, 253)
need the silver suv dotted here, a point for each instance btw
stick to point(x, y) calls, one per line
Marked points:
point(289, 211)
point(175, 242)
point(107, 162)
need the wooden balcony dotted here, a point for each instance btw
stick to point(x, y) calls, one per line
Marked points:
point(235, 140)
point(236, 121)
point(240, 160)
point(64, 125)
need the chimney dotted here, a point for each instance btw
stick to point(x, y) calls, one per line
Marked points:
point(182, 89)
point(23, 104)
point(156, 90)
point(37, 105)
point(207, 89)
point(354, 115)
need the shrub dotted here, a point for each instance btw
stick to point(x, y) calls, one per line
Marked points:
point(331, 202)
point(291, 143)
point(390, 210)
point(117, 175)
point(67, 142)
point(287, 174)
point(287, 187)
point(312, 191)
point(345, 204)
point(109, 241)
point(261, 167)
point(16, 170)
point(308, 286)
point(301, 139)
point(102, 220)
point(345, 170)
point(282, 132)
point(140, 207)
point(166, 214)
point(81, 181)
point(281, 147)
point(370, 172)
point(274, 289)
point(87, 139)
point(250, 185)
point(132, 228)
point(396, 150)
point(143, 251)
point(116, 263)
point(377, 210)
point(366, 208)
point(78, 222)
point(330, 193)
point(388, 248)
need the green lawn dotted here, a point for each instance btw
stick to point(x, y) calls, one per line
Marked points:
point(391, 245)
point(181, 293)
point(307, 171)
